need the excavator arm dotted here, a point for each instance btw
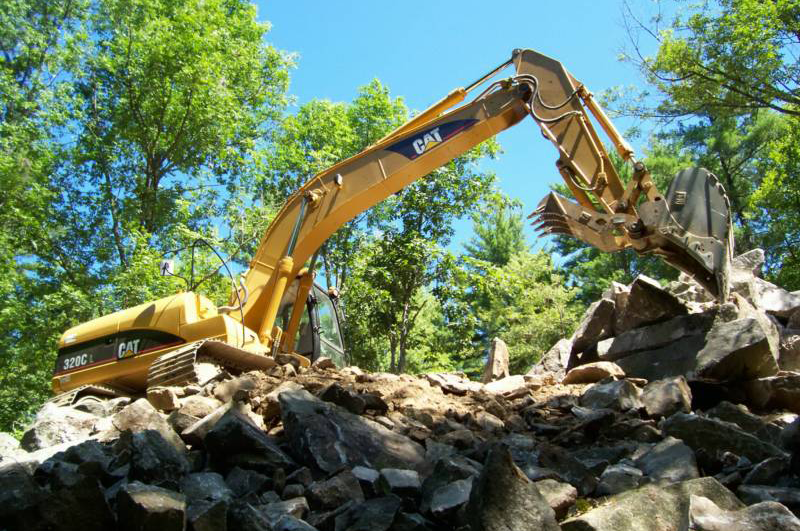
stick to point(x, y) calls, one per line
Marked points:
point(689, 228)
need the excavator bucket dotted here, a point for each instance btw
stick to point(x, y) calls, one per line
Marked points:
point(690, 228)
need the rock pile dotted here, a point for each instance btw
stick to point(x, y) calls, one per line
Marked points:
point(663, 411)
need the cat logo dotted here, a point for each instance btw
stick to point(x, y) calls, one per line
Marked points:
point(427, 141)
point(424, 141)
point(128, 349)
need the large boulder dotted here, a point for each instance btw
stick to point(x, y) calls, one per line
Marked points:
point(497, 363)
point(597, 324)
point(652, 508)
point(669, 461)
point(620, 395)
point(328, 437)
point(503, 498)
point(675, 359)
point(654, 336)
point(716, 437)
point(141, 416)
point(705, 515)
point(147, 508)
point(555, 361)
point(775, 300)
point(152, 458)
point(736, 351)
point(593, 373)
point(781, 391)
point(235, 440)
point(57, 425)
point(647, 303)
point(664, 397)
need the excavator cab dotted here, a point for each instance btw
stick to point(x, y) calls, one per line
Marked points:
point(319, 331)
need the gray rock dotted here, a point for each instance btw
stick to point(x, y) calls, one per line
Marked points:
point(368, 479)
point(163, 398)
point(787, 496)
point(487, 422)
point(340, 396)
point(234, 440)
point(180, 422)
point(208, 515)
point(664, 397)
point(570, 469)
point(652, 507)
point(199, 406)
point(453, 383)
point(647, 303)
point(140, 416)
point(736, 351)
point(775, 392)
point(789, 348)
point(510, 387)
point(448, 470)
point(772, 299)
point(503, 498)
point(335, 491)
point(654, 336)
point(559, 495)
point(411, 522)
point(716, 437)
point(148, 508)
point(293, 491)
point(767, 471)
point(376, 514)
point(57, 425)
point(741, 416)
point(704, 515)
point(297, 507)
point(436, 450)
point(243, 482)
point(447, 500)
point(620, 395)
point(497, 363)
point(153, 459)
point(597, 324)
point(751, 261)
point(205, 486)
point(245, 517)
point(768, 323)
point(290, 523)
point(9, 445)
point(619, 478)
point(400, 482)
point(555, 361)
point(593, 372)
point(19, 495)
point(675, 359)
point(330, 438)
point(669, 461)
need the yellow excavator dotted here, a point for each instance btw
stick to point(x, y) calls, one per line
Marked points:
point(278, 310)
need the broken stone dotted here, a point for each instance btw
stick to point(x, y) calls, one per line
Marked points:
point(331, 438)
point(736, 351)
point(593, 372)
point(146, 507)
point(487, 422)
point(376, 514)
point(297, 507)
point(567, 467)
point(664, 397)
point(555, 360)
point(652, 507)
point(205, 486)
point(675, 359)
point(503, 498)
point(654, 336)
point(340, 396)
point(453, 384)
point(19, 495)
point(751, 261)
point(153, 459)
point(781, 391)
point(559, 495)
point(400, 482)
point(669, 461)
point(141, 416)
point(335, 491)
point(57, 425)
point(497, 365)
point(199, 406)
point(597, 324)
point(510, 387)
point(789, 348)
point(323, 363)
point(620, 395)
point(288, 522)
point(774, 300)
point(234, 440)
point(224, 391)
point(647, 303)
point(447, 500)
point(751, 494)
point(368, 479)
point(767, 471)
point(739, 415)
point(163, 398)
point(704, 515)
point(619, 478)
point(716, 436)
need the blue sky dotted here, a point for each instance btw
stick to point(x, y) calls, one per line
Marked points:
point(422, 50)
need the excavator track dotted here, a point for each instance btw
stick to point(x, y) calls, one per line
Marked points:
point(182, 367)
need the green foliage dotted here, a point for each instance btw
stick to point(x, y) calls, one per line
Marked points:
point(499, 231)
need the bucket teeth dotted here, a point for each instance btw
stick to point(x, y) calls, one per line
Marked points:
point(557, 215)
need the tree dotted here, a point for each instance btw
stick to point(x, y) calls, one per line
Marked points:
point(499, 231)
point(710, 62)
